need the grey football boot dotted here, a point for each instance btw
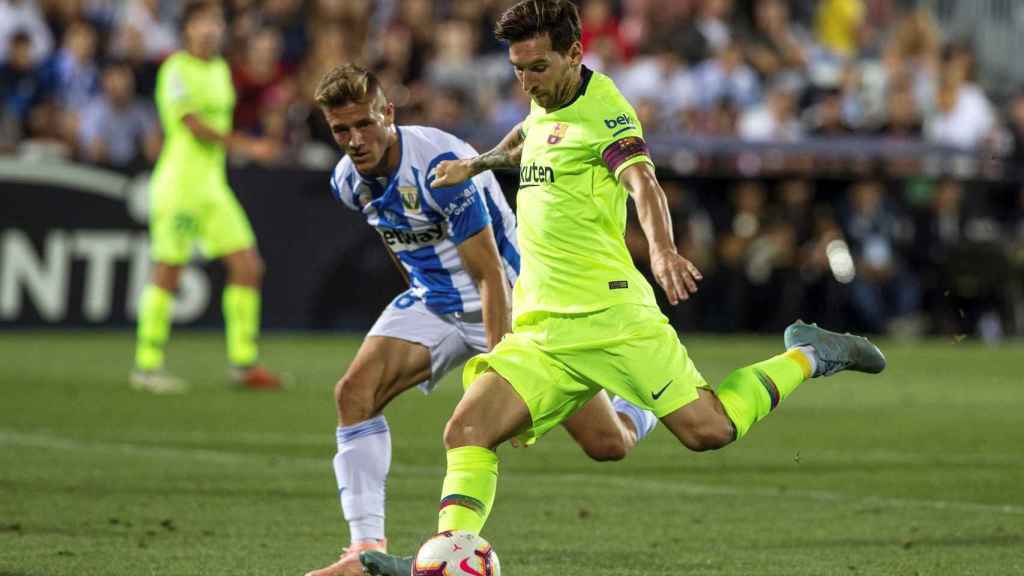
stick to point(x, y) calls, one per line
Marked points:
point(835, 352)
point(379, 563)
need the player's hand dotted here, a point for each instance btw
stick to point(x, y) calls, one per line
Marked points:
point(451, 172)
point(677, 276)
point(263, 149)
point(517, 444)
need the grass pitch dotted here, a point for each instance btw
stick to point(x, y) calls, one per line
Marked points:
point(917, 471)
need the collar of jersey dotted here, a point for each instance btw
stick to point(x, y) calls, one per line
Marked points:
point(585, 75)
point(392, 179)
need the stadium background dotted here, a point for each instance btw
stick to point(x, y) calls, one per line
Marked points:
point(852, 161)
point(855, 162)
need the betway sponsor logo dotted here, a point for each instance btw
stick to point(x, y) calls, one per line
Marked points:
point(532, 175)
point(412, 239)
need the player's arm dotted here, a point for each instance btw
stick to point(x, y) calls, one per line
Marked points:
point(676, 275)
point(479, 255)
point(505, 155)
point(257, 148)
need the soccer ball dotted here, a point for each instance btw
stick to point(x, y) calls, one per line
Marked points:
point(456, 553)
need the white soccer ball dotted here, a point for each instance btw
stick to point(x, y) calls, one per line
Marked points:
point(456, 553)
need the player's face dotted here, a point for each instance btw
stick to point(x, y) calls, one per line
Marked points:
point(547, 75)
point(363, 131)
point(205, 31)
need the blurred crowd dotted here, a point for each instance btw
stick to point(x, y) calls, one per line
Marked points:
point(77, 78)
point(901, 258)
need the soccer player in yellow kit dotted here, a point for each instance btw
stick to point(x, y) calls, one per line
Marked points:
point(584, 318)
point(190, 201)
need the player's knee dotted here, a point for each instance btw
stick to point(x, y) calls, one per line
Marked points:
point(354, 399)
point(460, 432)
point(252, 270)
point(709, 435)
point(608, 449)
point(257, 269)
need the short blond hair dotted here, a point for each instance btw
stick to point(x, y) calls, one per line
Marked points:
point(347, 84)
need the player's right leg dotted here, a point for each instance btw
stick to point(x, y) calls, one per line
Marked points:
point(607, 429)
point(383, 368)
point(172, 231)
point(154, 327)
point(490, 412)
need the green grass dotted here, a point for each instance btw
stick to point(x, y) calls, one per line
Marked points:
point(917, 471)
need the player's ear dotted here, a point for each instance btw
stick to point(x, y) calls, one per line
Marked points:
point(575, 53)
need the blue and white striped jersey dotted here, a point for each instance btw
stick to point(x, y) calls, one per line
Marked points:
point(424, 226)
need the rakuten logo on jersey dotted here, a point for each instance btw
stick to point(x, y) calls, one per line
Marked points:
point(400, 240)
point(533, 175)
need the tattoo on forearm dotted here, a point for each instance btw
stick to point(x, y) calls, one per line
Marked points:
point(505, 155)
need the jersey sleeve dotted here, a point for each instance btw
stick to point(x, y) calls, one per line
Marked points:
point(615, 133)
point(175, 96)
point(342, 185)
point(462, 205)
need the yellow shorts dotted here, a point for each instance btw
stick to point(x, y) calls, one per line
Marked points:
point(558, 362)
point(218, 223)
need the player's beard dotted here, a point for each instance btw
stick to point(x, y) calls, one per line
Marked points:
point(566, 89)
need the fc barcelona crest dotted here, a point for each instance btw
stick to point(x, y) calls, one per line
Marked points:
point(558, 133)
point(410, 198)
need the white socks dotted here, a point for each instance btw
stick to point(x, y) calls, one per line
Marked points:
point(643, 420)
point(812, 357)
point(361, 467)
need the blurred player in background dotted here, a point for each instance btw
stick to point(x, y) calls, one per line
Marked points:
point(585, 319)
point(190, 201)
point(456, 245)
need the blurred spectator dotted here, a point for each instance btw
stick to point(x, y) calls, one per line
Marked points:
point(826, 117)
point(23, 83)
point(774, 120)
point(76, 76)
point(774, 45)
point(963, 116)
point(287, 17)
point(839, 26)
point(902, 119)
point(140, 20)
point(259, 77)
point(604, 45)
point(1015, 134)
point(727, 77)
point(22, 17)
point(709, 32)
point(117, 128)
point(883, 290)
point(964, 271)
point(660, 78)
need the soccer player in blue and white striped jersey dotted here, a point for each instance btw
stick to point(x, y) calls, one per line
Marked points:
point(457, 246)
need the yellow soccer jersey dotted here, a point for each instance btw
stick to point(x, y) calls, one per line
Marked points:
point(571, 207)
point(189, 167)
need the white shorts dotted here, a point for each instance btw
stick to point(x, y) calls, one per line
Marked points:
point(451, 338)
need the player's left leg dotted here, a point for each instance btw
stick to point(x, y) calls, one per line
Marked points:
point(749, 394)
point(607, 429)
point(241, 305)
point(227, 235)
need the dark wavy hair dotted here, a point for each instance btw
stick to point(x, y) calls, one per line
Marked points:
point(559, 19)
